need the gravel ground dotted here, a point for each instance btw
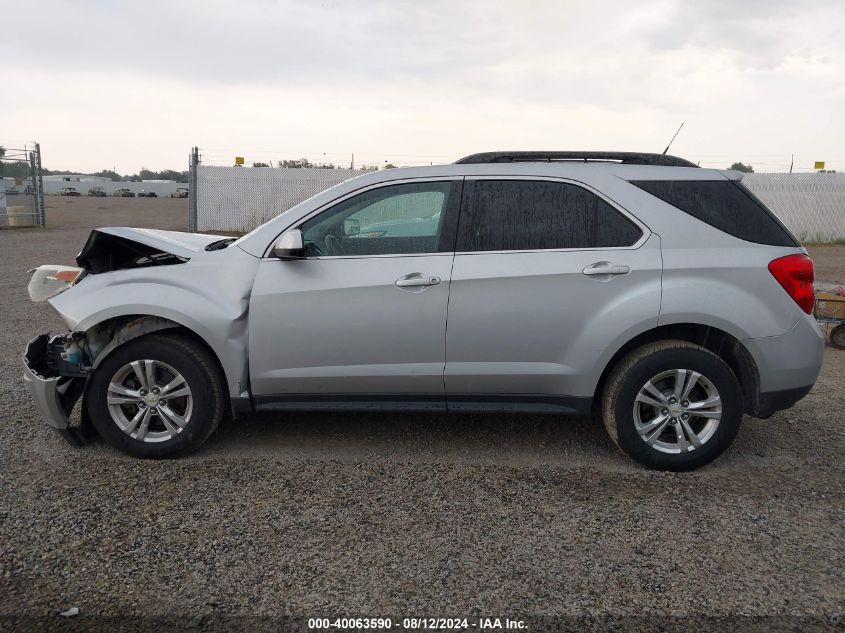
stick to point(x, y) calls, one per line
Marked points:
point(324, 515)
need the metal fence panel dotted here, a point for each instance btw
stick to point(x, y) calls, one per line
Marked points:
point(241, 198)
point(811, 205)
point(22, 197)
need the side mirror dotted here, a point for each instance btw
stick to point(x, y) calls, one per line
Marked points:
point(289, 245)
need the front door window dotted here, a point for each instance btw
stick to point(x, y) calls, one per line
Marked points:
point(404, 219)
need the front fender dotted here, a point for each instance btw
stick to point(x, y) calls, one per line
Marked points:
point(210, 300)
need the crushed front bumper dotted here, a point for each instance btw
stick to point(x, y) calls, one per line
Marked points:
point(54, 395)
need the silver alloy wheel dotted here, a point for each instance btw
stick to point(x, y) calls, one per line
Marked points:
point(149, 400)
point(677, 411)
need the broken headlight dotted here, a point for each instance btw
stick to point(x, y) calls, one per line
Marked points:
point(51, 279)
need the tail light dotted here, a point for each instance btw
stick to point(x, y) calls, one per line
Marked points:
point(795, 273)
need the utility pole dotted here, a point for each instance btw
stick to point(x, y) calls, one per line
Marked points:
point(352, 164)
point(791, 162)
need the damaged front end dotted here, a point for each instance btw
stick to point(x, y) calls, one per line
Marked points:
point(56, 371)
point(57, 367)
point(105, 252)
point(128, 283)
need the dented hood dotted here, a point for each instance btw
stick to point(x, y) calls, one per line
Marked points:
point(114, 248)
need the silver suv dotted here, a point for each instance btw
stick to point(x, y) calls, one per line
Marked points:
point(662, 297)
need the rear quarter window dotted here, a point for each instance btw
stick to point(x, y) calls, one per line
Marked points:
point(725, 205)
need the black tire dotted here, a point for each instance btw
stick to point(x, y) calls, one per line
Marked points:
point(643, 364)
point(837, 336)
point(199, 370)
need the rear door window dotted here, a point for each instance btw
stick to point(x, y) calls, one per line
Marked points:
point(725, 205)
point(505, 215)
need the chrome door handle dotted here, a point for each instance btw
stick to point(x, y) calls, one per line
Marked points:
point(606, 268)
point(416, 280)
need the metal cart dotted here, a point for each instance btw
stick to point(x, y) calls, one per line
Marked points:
point(830, 311)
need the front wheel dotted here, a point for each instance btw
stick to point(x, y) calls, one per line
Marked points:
point(672, 405)
point(160, 395)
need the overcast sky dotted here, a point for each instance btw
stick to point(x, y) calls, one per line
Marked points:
point(135, 84)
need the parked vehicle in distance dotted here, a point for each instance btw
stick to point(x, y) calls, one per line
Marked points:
point(97, 192)
point(124, 193)
point(181, 192)
point(660, 296)
point(69, 191)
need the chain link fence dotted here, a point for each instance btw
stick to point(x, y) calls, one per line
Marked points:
point(238, 199)
point(811, 205)
point(21, 186)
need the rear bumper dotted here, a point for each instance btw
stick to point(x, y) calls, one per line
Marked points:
point(773, 401)
point(54, 396)
point(787, 365)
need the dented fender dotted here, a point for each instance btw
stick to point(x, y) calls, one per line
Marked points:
point(208, 294)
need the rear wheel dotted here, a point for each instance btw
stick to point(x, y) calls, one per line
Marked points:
point(160, 395)
point(672, 405)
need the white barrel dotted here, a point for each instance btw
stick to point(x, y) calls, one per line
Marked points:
point(20, 216)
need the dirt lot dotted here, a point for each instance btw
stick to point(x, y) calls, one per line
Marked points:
point(536, 518)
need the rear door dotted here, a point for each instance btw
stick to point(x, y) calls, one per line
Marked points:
point(548, 275)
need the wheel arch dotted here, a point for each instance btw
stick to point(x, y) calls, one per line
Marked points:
point(724, 345)
point(114, 332)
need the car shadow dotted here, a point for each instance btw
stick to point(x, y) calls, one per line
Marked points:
point(425, 437)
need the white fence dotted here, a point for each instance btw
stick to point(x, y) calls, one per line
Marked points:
point(240, 198)
point(811, 205)
point(237, 199)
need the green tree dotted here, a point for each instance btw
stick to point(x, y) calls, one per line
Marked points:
point(390, 166)
point(166, 174)
point(747, 169)
point(15, 169)
point(108, 173)
point(295, 164)
point(2, 154)
point(61, 172)
point(260, 165)
point(171, 174)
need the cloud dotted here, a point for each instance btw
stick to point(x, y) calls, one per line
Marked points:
point(141, 82)
point(758, 34)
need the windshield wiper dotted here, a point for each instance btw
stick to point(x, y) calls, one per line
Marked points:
point(220, 244)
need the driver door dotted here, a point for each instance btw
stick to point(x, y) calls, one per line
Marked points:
point(361, 320)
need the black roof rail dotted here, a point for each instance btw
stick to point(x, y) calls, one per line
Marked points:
point(626, 158)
